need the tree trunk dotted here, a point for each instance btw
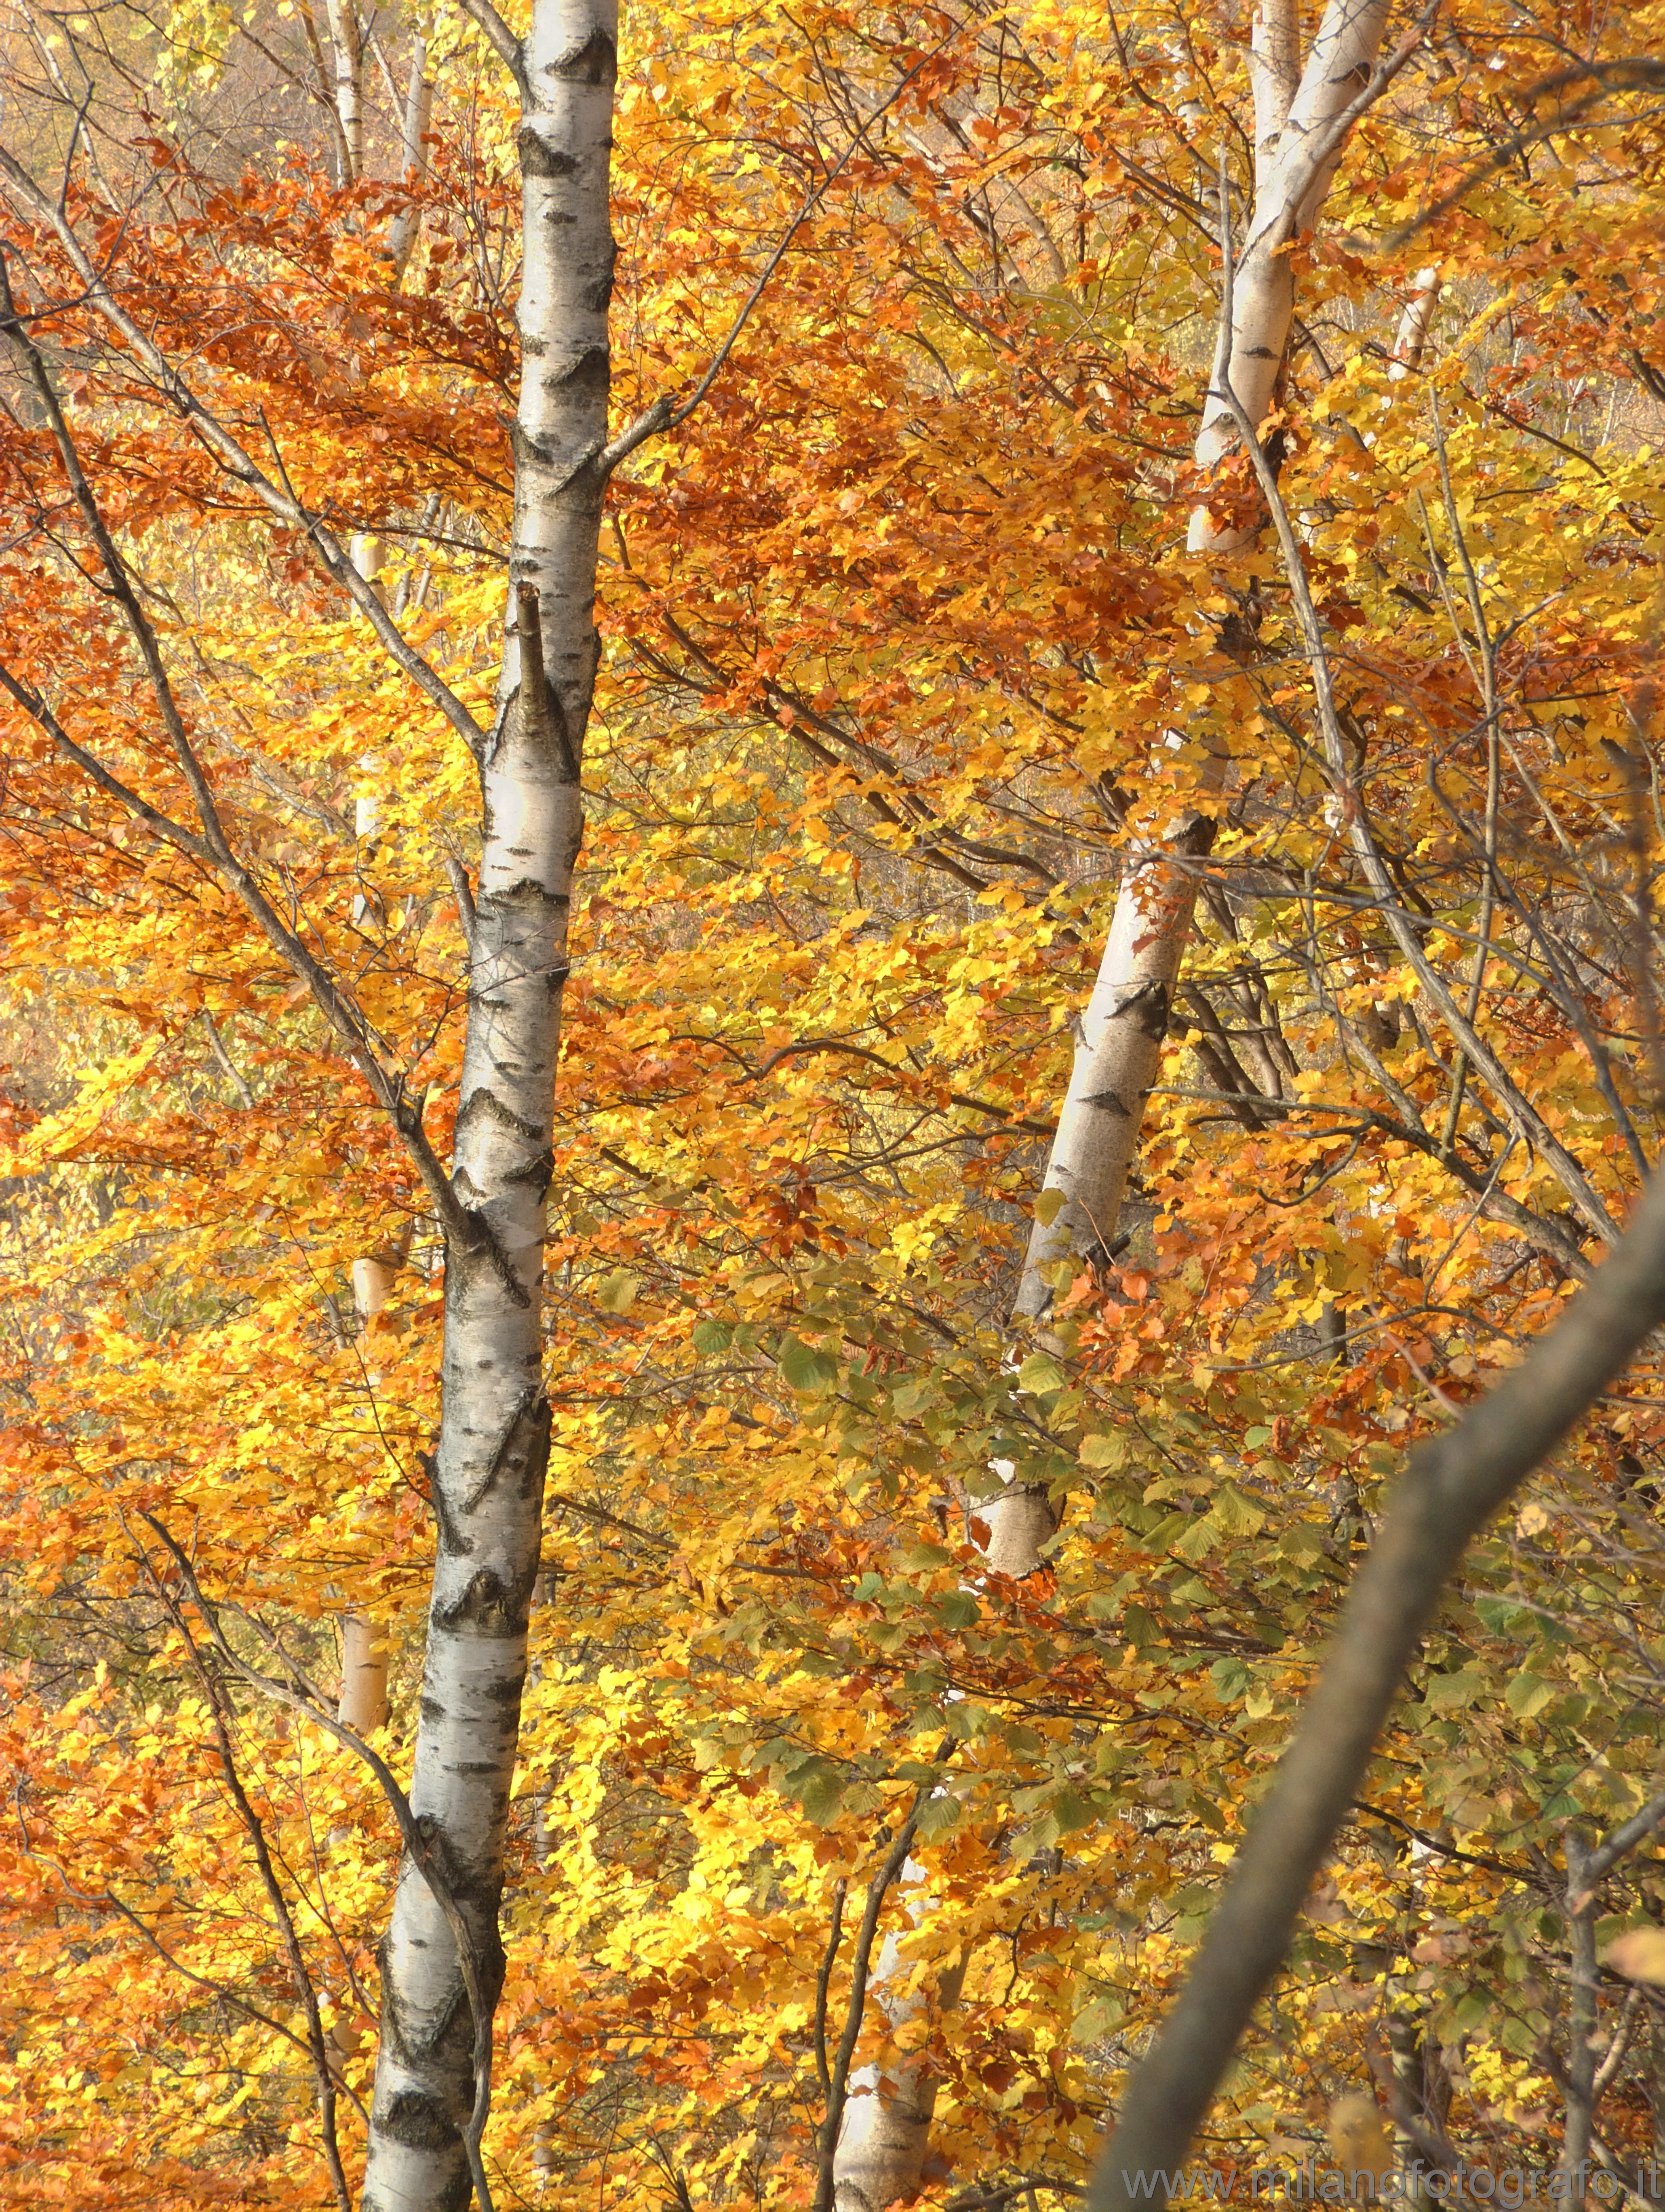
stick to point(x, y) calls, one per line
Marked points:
point(1411, 339)
point(347, 44)
point(1296, 151)
point(885, 2133)
point(1120, 1042)
point(431, 2097)
point(403, 230)
point(363, 1704)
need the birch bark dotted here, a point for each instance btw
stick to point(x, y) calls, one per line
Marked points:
point(347, 47)
point(432, 2069)
point(403, 230)
point(1299, 131)
point(363, 1705)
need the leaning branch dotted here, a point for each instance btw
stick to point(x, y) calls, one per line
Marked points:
point(1451, 1487)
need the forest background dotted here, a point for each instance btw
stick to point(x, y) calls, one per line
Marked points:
point(915, 659)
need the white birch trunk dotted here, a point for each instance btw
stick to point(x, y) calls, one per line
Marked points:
point(406, 226)
point(363, 1706)
point(1126, 1019)
point(347, 48)
point(1411, 339)
point(885, 2133)
point(1294, 162)
point(494, 1419)
point(1116, 1061)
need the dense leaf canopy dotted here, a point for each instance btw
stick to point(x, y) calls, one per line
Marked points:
point(905, 661)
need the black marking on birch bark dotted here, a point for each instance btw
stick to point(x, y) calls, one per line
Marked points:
point(489, 1606)
point(1107, 1102)
point(483, 1100)
point(1147, 1003)
point(510, 908)
point(453, 1544)
point(419, 2122)
point(588, 375)
point(523, 1452)
point(595, 62)
point(417, 2050)
point(539, 160)
point(538, 1173)
point(542, 716)
point(578, 483)
point(486, 1256)
point(596, 296)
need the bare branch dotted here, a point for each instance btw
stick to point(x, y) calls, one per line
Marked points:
point(486, 19)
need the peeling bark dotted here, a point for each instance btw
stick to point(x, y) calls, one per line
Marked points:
point(431, 2099)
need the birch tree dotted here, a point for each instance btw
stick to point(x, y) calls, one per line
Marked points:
point(443, 1959)
point(1303, 112)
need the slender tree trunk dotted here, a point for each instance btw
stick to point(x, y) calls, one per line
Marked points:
point(885, 2133)
point(346, 43)
point(1582, 2008)
point(1297, 116)
point(406, 226)
point(1411, 339)
point(363, 1705)
point(1116, 1052)
point(430, 2097)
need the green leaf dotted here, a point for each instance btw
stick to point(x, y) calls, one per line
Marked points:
point(1445, 1693)
point(938, 1814)
point(913, 1395)
point(1505, 1616)
point(1138, 1627)
point(958, 1608)
point(806, 1368)
point(821, 1794)
point(1528, 1694)
point(1237, 1514)
point(1231, 1679)
point(1072, 1810)
point(1038, 1376)
point(1199, 1539)
point(711, 1336)
point(1040, 1838)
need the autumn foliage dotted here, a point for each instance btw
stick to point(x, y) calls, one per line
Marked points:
point(904, 661)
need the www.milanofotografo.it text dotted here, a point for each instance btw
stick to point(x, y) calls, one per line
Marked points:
point(1509, 2187)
